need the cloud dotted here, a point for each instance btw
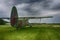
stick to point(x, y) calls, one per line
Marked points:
point(4, 8)
point(35, 9)
point(20, 8)
point(31, 8)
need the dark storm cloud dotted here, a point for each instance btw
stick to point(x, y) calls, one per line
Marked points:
point(56, 7)
point(46, 4)
point(32, 8)
point(36, 6)
point(28, 8)
point(26, 1)
point(43, 3)
point(40, 8)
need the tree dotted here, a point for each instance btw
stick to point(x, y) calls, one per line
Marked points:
point(2, 22)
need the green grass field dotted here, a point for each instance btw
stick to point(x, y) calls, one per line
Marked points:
point(37, 32)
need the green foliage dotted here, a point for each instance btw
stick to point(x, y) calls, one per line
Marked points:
point(2, 22)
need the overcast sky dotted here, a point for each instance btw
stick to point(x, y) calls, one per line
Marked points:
point(32, 8)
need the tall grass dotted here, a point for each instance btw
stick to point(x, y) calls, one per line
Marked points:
point(34, 33)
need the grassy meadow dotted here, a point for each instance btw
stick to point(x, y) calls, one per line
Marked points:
point(37, 32)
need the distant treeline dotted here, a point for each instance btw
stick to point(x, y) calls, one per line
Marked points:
point(2, 22)
point(47, 23)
